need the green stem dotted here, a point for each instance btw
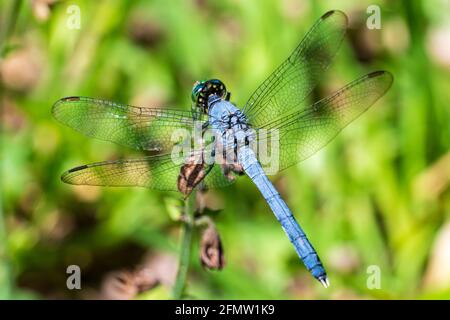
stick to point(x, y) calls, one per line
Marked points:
point(5, 272)
point(186, 246)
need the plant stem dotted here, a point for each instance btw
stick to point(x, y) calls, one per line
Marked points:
point(186, 245)
point(5, 271)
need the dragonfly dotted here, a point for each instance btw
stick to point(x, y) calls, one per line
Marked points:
point(282, 104)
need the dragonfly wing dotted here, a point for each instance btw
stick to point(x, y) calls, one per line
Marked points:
point(217, 179)
point(293, 81)
point(165, 172)
point(136, 127)
point(303, 133)
point(155, 172)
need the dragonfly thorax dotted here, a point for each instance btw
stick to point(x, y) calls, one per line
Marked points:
point(205, 88)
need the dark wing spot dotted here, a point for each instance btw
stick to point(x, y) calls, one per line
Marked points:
point(327, 14)
point(376, 73)
point(71, 99)
point(78, 168)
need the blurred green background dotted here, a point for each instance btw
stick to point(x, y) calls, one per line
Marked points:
point(377, 197)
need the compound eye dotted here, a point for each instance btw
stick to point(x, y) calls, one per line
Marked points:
point(218, 88)
point(197, 91)
point(203, 89)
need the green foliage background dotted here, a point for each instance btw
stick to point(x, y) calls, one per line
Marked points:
point(378, 195)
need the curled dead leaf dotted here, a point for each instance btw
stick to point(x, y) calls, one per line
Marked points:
point(211, 250)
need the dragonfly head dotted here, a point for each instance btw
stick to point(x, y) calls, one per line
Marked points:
point(203, 89)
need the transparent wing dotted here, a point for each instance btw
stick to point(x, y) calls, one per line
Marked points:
point(155, 172)
point(301, 134)
point(216, 178)
point(136, 127)
point(293, 81)
point(161, 172)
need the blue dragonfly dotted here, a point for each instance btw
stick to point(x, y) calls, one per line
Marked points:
point(281, 106)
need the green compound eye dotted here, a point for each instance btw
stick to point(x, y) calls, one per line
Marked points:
point(203, 89)
point(196, 90)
